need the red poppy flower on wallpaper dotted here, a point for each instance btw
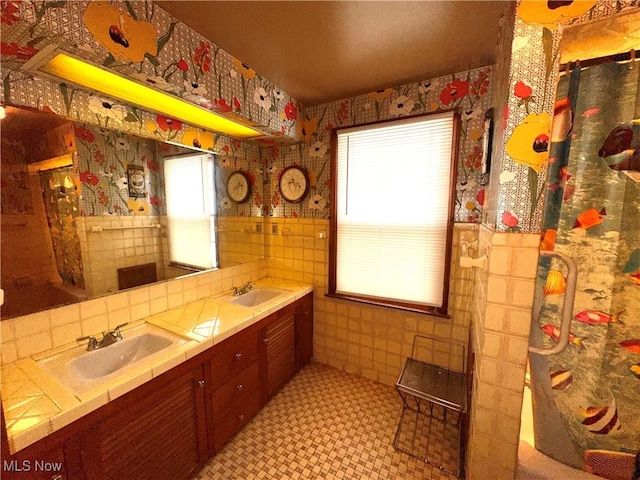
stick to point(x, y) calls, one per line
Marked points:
point(290, 111)
point(201, 56)
point(166, 123)
point(222, 106)
point(454, 90)
point(522, 90)
point(22, 52)
point(84, 134)
point(153, 166)
point(155, 201)
point(509, 219)
point(182, 65)
point(9, 12)
point(89, 178)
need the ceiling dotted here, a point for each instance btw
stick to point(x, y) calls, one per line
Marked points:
point(321, 51)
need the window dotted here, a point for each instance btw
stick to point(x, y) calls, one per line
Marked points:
point(392, 217)
point(191, 208)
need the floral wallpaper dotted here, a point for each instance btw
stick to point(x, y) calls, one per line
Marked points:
point(469, 92)
point(142, 42)
point(534, 64)
point(103, 157)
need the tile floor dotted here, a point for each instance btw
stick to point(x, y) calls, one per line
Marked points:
point(324, 424)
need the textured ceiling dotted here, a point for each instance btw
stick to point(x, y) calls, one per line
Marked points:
point(320, 51)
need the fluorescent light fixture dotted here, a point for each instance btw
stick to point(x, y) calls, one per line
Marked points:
point(95, 78)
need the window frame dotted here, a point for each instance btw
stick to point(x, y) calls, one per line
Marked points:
point(440, 311)
point(213, 217)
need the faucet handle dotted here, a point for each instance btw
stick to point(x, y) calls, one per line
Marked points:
point(116, 331)
point(93, 343)
point(236, 291)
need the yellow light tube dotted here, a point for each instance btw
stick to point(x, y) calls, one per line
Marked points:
point(95, 78)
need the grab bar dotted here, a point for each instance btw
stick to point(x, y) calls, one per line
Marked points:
point(567, 305)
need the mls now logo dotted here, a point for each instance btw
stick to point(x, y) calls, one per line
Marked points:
point(27, 466)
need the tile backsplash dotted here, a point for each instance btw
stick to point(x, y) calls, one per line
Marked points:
point(368, 340)
point(38, 332)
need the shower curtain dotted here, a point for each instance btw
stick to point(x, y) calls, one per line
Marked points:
point(60, 195)
point(587, 398)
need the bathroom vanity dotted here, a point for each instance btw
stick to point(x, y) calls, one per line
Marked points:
point(169, 426)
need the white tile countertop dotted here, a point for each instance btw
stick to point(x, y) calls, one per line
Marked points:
point(36, 404)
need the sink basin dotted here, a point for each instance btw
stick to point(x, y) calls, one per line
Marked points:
point(257, 296)
point(81, 370)
point(105, 361)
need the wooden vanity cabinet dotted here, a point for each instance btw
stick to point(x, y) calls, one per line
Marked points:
point(304, 331)
point(247, 369)
point(278, 350)
point(157, 431)
point(233, 395)
point(168, 428)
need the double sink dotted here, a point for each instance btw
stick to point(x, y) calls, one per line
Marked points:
point(81, 370)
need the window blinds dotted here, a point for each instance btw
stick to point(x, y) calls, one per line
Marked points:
point(393, 193)
point(190, 210)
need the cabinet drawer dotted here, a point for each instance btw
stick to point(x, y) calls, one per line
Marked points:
point(236, 389)
point(234, 419)
point(233, 357)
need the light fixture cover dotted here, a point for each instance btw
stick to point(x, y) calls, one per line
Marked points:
point(100, 80)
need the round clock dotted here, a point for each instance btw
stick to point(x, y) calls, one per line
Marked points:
point(294, 183)
point(238, 186)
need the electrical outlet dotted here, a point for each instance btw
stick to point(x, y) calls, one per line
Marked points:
point(274, 228)
point(258, 227)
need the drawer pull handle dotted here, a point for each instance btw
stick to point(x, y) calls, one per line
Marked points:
point(241, 417)
point(201, 383)
point(238, 356)
point(240, 387)
point(265, 340)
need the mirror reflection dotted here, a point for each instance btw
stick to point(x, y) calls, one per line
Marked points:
point(88, 211)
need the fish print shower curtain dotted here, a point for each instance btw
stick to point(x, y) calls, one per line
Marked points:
point(587, 398)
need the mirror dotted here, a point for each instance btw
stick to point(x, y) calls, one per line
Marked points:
point(84, 212)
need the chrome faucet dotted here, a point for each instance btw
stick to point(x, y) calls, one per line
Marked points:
point(237, 291)
point(108, 338)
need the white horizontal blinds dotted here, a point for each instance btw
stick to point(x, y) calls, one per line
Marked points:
point(189, 188)
point(393, 190)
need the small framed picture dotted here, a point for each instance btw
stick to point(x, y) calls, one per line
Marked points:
point(294, 183)
point(238, 186)
point(135, 181)
point(487, 144)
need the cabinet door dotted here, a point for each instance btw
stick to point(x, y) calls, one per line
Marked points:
point(304, 332)
point(159, 434)
point(280, 340)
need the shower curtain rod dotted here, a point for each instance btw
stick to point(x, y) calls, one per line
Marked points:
point(617, 57)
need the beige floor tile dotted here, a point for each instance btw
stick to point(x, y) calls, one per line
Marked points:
point(324, 424)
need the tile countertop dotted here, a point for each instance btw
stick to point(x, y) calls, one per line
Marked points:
point(35, 404)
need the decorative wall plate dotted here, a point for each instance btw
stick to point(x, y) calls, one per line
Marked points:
point(294, 183)
point(238, 186)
